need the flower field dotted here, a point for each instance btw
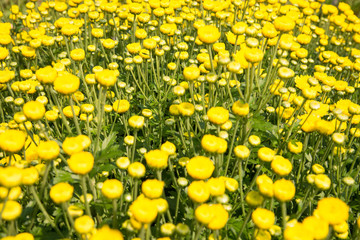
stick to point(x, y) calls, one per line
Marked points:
point(179, 119)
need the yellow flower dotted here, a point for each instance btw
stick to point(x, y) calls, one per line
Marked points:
point(152, 188)
point(123, 162)
point(265, 185)
point(3, 53)
point(69, 113)
point(107, 233)
point(318, 169)
point(156, 159)
point(254, 199)
point(5, 76)
point(134, 48)
point(333, 210)
point(67, 84)
point(317, 227)
point(108, 43)
point(218, 115)
point(106, 78)
point(210, 143)
point(149, 43)
point(72, 145)
point(269, 30)
point(266, 154)
point(161, 205)
point(284, 190)
point(309, 124)
point(295, 147)
point(284, 24)
point(198, 191)
point(112, 188)
point(208, 34)
point(27, 51)
point(216, 186)
point(342, 227)
point(10, 176)
point(29, 176)
point(144, 210)
point(231, 184)
point(61, 192)
point(281, 166)
point(203, 213)
point(325, 127)
point(81, 162)
point(51, 115)
point(48, 150)
point(241, 152)
point(239, 28)
point(169, 148)
point(297, 231)
point(136, 170)
point(77, 54)
point(254, 55)
point(185, 109)
point(84, 224)
point(240, 109)
point(12, 141)
point(69, 29)
point(24, 236)
point(200, 167)
point(254, 140)
point(136, 122)
point(263, 218)
point(121, 106)
point(220, 217)
point(11, 211)
point(46, 75)
point(191, 73)
point(75, 211)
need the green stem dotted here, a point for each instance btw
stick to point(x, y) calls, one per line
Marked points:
point(101, 113)
point(74, 116)
point(244, 224)
point(114, 203)
point(283, 213)
point(241, 186)
point(134, 147)
point(84, 190)
point(198, 232)
point(43, 210)
point(232, 144)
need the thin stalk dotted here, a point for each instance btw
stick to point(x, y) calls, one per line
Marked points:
point(283, 213)
point(84, 190)
point(114, 203)
point(101, 113)
point(244, 224)
point(74, 116)
point(43, 210)
point(232, 144)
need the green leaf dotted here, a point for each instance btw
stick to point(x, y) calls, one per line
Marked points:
point(235, 224)
point(109, 140)
point(63, 176)
point(106, 167)
point(259, 123)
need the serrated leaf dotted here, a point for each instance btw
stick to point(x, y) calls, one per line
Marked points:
point(259, 123)
point(109, 140)
point(110, 152)
point(235, 224)
point(63, 176)
point(106, 167)
point(308, 157)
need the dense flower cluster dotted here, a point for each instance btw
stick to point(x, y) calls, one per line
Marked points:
point(179, 119)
